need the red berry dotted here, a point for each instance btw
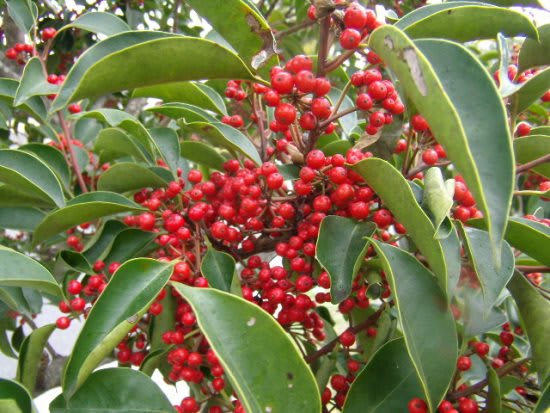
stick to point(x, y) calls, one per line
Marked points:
point(78, 304)
point(464, 363)
point(63, 323)
point(282, 82)
point(74, 287)
point(321, 108)
point(147, 221)
point(305, 81)
point(377, 119)
point(48, 33)
point(364, 101)
point(377, 90)
point(350, 39)
point(312, 12)
point(322, 86)
point(315, 159)
point(11, 53)
point(419, 124)
point(482, 349)
point(462, 213)
point(285, 113)
point(467, 406)
point(355, 16)
point(275, 181)
point(308, 121)
point(506, 338)
point(347, 338)
point(523, 129)
point(417, 405)
point(430, 157)
point(383, 218)
point(272, 98)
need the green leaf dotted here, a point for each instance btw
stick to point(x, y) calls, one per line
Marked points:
point(193, 93)
point(460, 101)
point(534, 310)
point(30, 356)
point(24, 300)
point(422, 309)
point(476, 320)
point(163, 322)
point(98, 22)
point(114, 143)
point(53, 157)
point(202, 154)
point(465, 22)
point(128, 243)
point(219, 269)
point(229, 322)
point(506, 87)
point(494, 404)
point(535, 53)
point(188, 112)
point(544, 401)
point(168, 145)
point(33, 83)
point(153, 360)
point(101, 243)
point(23, 13)
point(99, 70)
point(35, 106)
point(342, 263)
point(18, 270)
point(492, 279)
point(22, 218)
point(126, 298)
point(75, 261)
point(530, 237)
point(14, 398)
point(531, 91)
point(438, 197)
point(244, 28)
point(135, 392)
point(341, 147)
point(387, 383)
point(227, 137)
point(85, 207)
point(533, 147)
point(127, 176)
point(397, 195)
point(348, 122)
point(30, 175)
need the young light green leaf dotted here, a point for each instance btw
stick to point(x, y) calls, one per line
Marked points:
point(98, 22)
point(98, 70)
point(30, 175)
point(219, 269)
point(342, 263)
point(535, 53)
point(18, 270)
point(226, 320)
point(30, 356)
point(387, 383)
point(127, 176)
point(33, 83)
point(533, 147)
point(85, 207)
point(422, 309)
point(126, 298)
point(135, 392)
point(534, 310)
point(465, 112)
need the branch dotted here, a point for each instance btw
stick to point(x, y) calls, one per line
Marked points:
point(327, 122)
point(525, 167)
point(423, 167)
point(294, 29)
point(529, 269)
point(323, 46)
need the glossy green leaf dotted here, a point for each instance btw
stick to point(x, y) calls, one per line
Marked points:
point(98, 70)
point(128, 243)
point(386, 384)
point(230, 323)
point(535, 53)
point(23, 300)
point(14, 398)
point(460, 101)
point(422, 309)
point(219, 268)
point(544, 401)
point(540, 130)
point(397, 195)
point(74, 260)
point(193, 93)
point(153, 360)
point(438, 197)
point(177, 110)
point(98, 22)
point(30, 175)
point(100, 244)
point(135, 392)
point(492, 279)
point(531, 91)
point(534, 310)
point(22, 218)
point(23, 13)
point(167, 143)
point(35, 106)
point(244, 28)
point(33, 83)
point(114, 143)
point(164, 321)
point(475, 318)
point(118, 308)
point(530, 237)
point(202, 154)
point(126, 176)
point(30, 356)
point(533, 147)
point(85, 207)
point(341, 147)
point(227, 137)
point(342, 263)
point(494, 404)
point(53, 157)
point(5, 346)
point(465, 22)
point(18, 270)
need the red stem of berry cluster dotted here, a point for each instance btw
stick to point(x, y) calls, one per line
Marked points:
point(502, 371)
point(529, 269)
point(260, 119)
point(74, 162)
point(327, 348)
point(525, 167)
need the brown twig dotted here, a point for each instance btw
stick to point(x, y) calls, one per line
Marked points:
point(323, 46)
point(74, 162)
point(423, 167)
point(260, 119)
point(336, 116)
point(529, 269)
point(526, 166)
point(294, 29)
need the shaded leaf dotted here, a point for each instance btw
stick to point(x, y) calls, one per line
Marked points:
point(202, 154)
point(33, 83)
point(114, 143)
point(533, 147)
point(98, 22)
point(14, 398)
point(535, 53)
point(219, 269)
point(22, 218)
point(188, 112)
point(126, 177)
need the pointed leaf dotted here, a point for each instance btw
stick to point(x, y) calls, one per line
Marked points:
point(135, 392)
point(202, 154)
point(531, 90)
point(114, 143)
point(494, 404)
point(98, 22)
point(23, 13)
point(422, 309)
point(465, 113)
point(229, 322)
point(535, 53)
point(387, 383)
point(14, 398)
point(437, 200)
point(342, 263)
point(177, 110)
point(100, 244)
point(30, 356)
point(128, 243)
point(126, 177)
point(35, 106)
point(98, 70)
point(75, 261)
point(18, 270)
point(533, 147)
point(33, 83)
point(53, 157)
point(30, 175)
point(219, 269)
point(85, 207)
point(168, 145)
point(506, 87)
point(126, 298)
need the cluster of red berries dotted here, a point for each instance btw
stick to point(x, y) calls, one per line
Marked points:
point(20, 52)
point(522, 77)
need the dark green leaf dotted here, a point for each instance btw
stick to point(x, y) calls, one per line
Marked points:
point(202, 154)
point(126, 177)
point(33, 83)
point(188, 112)
point(22, 218)
point(76, 261)
point(219, 269)
point(533, 147)
point(53, 158)
point(14, 398)
point(228, 323)
point(118, 308)
point(114, 143)
point(23, 13)
point(531, 90)
point(342, 263)
point(476, 319)
point(128, 243)
point(535, 53)
point(98, 22)
point(101, 243)
point(494, 404)
point(168, 145)
point(35, 106)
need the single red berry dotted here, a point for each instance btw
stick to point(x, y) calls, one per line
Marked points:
point(305, 81)
point(358, 78)
point(275, 181)
point(482, 349)
point(445, 407)
point(468, 406)
point(355, 16)
point(462, 213)
point(11, 53)
point(78, 304)
point(285, 113)
point(321, 108)
point(383, 218)
point(377, 90)
point(364, 101)
point(48, 33)
point(359, 210)
point(506, 338)
point(347, 338)
point(322, 86)
point(377, 119)
point(312, 12)
point(74, 108)
point(430, 157)
point(464, 363)
point(308, 121)
point(419, 124)
point(63, 323)
point(523, 129)
point(74, 287)
point(315, 159)
point(417, 405)
point(283, 82)
point(147, 221)
point(350, 39)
